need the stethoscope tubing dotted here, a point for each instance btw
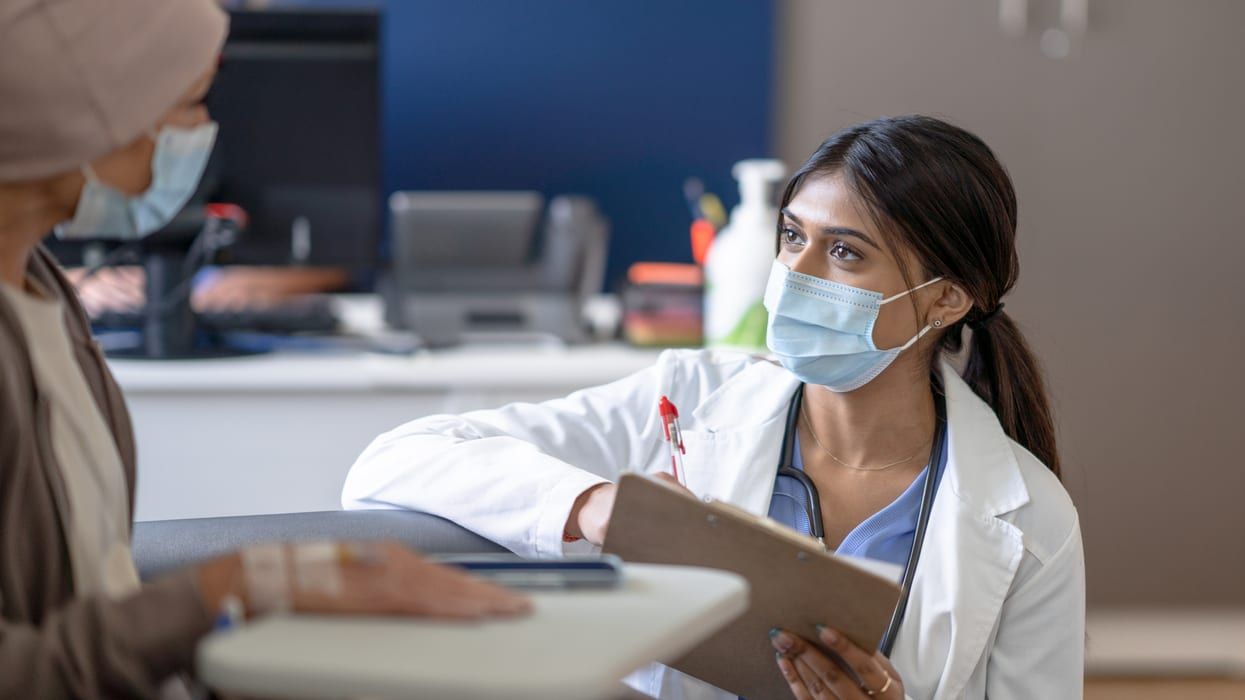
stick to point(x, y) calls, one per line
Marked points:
point(817, 527)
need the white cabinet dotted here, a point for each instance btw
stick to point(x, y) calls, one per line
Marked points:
point(277, 433)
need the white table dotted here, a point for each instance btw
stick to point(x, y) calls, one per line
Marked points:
point(576, 646)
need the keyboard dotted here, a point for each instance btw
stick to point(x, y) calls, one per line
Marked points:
point(302, 316)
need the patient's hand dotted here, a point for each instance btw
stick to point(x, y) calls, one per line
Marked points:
point(382, 578)
point(400, 582)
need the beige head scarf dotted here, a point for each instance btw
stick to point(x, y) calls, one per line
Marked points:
point(82, 78)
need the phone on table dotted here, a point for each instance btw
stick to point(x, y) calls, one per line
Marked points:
point(513, 571)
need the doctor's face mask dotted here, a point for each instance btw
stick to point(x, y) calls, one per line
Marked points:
point(824, 316)
point(822, 331)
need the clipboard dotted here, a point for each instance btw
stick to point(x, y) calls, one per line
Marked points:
point(795, 583)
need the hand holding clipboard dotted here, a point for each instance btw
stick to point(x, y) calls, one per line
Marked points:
point(795, 584)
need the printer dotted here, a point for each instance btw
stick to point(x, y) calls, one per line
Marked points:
point(493, 265)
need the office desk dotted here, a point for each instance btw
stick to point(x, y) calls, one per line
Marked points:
point(575, 646)
point(277, 433)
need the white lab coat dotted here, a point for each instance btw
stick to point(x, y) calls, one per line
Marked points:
point(998, 603)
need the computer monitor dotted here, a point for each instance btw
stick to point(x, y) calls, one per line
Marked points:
point(297, 98)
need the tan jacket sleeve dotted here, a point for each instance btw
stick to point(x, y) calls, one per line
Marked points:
point(94, 647)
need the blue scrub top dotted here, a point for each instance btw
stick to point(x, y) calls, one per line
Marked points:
point(887, 535)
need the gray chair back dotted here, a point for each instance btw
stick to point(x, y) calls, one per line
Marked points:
point(165, 545)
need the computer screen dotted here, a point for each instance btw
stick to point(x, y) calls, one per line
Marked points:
point(297, 98)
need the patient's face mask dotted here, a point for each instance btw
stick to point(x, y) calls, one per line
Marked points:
point(822, 331)
point(176, 167)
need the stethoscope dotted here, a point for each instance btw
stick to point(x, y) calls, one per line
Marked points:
point(813, 509)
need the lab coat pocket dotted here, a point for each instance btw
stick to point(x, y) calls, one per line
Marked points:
point(696, 462)
point(736, 466)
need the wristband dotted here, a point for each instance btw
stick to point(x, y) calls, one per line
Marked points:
point(267, 581)
point(317, 568)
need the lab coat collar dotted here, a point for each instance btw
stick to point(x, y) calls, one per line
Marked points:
point(986, 475)
point(757, 395)
point(981, 466)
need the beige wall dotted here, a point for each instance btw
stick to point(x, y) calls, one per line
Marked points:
point(1127, 157)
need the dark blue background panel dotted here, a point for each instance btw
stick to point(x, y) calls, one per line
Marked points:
point(617, 99)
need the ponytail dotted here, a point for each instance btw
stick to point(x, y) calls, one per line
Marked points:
point(1003, 371)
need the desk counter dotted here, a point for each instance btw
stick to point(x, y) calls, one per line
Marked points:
point(277, 433)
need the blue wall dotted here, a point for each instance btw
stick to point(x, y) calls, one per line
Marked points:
point(617, 99)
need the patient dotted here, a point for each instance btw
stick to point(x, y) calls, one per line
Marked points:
point(103, 131)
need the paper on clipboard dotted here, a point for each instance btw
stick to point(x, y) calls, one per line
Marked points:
point(795, 584)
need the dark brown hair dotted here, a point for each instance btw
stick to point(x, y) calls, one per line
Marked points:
point(940, 191)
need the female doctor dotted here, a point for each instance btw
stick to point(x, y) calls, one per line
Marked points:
point(896, 364)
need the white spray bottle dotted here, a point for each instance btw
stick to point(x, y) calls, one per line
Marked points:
point(740, 258)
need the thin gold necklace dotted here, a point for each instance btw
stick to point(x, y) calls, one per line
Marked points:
point(858, 467)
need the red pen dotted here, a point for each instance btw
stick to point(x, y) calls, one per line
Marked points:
point(674, 436)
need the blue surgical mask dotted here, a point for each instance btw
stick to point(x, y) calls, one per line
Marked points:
point(822, 331)
point(176, 167)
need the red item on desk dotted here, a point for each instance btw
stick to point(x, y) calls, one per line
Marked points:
point(702, 237)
